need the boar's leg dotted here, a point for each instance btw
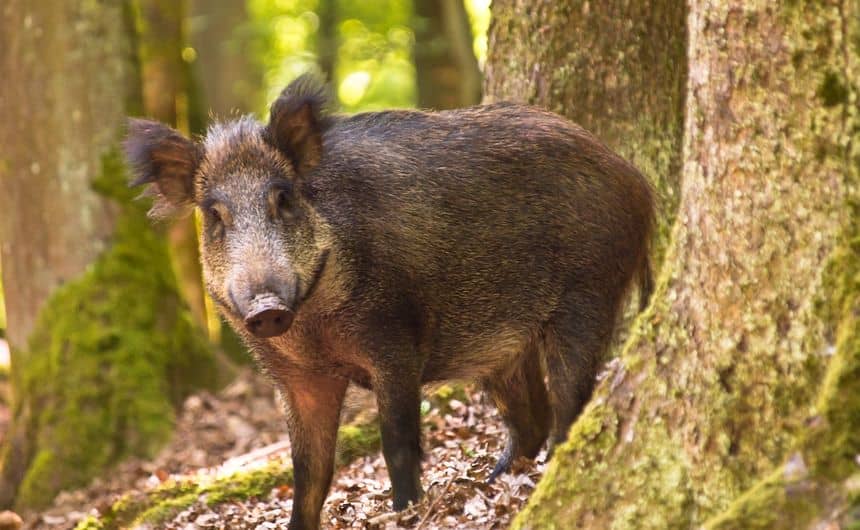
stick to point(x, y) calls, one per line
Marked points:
point(575, 341)
point(398, 395)
point(314, 410)
point(521, 400)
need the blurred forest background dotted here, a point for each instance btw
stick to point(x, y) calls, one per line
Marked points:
point(734, 401)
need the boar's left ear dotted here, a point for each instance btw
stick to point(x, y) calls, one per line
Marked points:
point(164, 160)
point(296, 123)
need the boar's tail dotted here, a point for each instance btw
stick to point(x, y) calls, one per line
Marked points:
point(649, 215)
point(646, 283)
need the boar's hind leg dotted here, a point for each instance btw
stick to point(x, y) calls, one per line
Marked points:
point(398, 396)
point(574, 344)
point(521, 400)
point(314, 402)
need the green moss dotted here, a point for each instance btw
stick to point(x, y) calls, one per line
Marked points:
point(112, 353)
point(90, 523)
point(754, 508)
point(832, 91)
point(839, 399)
point(448, 391)
point(165, 509)
point(357, 440)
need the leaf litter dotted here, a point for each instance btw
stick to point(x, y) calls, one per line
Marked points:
point(244, 425)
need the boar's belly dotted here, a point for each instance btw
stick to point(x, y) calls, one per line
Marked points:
point(477, 357)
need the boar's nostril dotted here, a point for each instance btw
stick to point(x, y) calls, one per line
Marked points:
point(269, 323)
point(268, 317)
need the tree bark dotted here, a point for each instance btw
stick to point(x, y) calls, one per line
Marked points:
point(736, 401)
point(445, 65)
point(166, 91)
point(102, 347)
point(616, 67)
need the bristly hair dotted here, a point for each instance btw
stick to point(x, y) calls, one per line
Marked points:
point(311, 88)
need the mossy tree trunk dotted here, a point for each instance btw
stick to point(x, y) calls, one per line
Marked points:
point(102, 346)
point(445, 65)
point(736, 401)
point(616, 67)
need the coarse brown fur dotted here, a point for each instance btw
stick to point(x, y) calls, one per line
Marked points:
point(495, 243)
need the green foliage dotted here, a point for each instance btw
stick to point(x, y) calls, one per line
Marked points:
point(112, 353)
point(282, 34)
point(374, 41)
point(374, 68)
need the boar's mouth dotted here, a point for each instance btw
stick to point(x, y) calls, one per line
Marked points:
point(269, 315)
point(315, 277)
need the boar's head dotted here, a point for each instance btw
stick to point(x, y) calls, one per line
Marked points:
point(263, 246)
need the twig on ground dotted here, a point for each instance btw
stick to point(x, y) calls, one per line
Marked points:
point(433, 504)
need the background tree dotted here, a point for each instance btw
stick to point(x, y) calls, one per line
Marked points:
point(103, 347)
point(220, 34)
point(447, 74)
point(327, 38)
point(168, 98)
point(748, 355)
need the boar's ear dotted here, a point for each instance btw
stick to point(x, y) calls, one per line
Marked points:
point(164, 160)
point(296, 122)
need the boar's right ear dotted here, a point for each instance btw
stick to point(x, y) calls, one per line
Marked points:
point(164, 160)
point(296, 122)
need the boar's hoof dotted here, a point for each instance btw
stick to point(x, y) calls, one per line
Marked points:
point(268, 318)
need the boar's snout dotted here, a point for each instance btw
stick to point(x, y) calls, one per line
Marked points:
point(268, 316)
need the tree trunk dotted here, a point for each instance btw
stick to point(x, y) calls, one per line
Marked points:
point(219, 34)
point(327, 38)
point(221, 81)
point(445, 65)
point(736, 401)
point(616, 67)
point(102, 347)
point(166, 78)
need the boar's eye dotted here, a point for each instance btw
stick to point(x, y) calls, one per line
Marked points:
point(281, 201)
point(214, 218)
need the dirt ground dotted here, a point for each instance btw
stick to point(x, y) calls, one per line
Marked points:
point(244, 425)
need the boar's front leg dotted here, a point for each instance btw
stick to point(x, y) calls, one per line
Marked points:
point(398, 396)
point(315, 402)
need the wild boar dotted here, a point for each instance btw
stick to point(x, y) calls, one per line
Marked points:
point(392, 249)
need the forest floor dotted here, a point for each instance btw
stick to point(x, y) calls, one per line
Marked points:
point(244, 426)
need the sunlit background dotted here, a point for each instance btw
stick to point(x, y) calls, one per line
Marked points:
point(372, 48)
